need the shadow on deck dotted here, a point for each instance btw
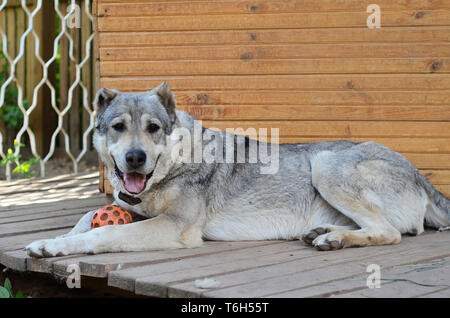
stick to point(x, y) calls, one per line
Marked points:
point(44, 208)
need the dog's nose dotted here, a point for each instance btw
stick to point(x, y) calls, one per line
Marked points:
point(135, 158)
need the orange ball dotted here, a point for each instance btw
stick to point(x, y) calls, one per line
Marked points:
point(110, 215)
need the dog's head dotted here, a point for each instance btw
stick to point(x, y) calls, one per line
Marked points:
point(131, 134)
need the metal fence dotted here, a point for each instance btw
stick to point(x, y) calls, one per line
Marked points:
point(49, 76)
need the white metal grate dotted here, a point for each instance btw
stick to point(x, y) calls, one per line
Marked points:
point(61, 110)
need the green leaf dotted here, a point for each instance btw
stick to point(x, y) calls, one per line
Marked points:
point(8, 286)
point(19, 294)
point(26, 166)
point(4, 293)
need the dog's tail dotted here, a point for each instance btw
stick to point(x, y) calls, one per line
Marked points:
point(438, 211)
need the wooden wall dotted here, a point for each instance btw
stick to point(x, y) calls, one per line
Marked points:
point(310, 67)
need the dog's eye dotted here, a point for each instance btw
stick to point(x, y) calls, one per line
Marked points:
point(119, 127)
point(152, 128)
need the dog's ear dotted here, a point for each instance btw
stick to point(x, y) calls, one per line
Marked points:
point(101, 102)
point(103, 99)
point(167, 98)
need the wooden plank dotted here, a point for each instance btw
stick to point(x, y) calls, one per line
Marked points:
point(11, 32)
point(243, 98)
point(272, 21)
point(13, 220)
point(441, 177)
point(296, 36)
point(75, 109)
point(49, 117)
point(3, 25)
point(97, 84)
point(51, 205)
point(14, 242)
point(49, 185)
point(31, 79)
point(305, 273)
point(184, 271)
point(436, 278)
point(291, 51)
point(86, 74)
point(46, 265)
point(54, 223)
point(342, 128)
point(101, 265)
point(146, 1)
point(403, 145)
point(20, 68)
point(50, 199)
point(164, 275)
point(50, 196)
point(327, 289)
point(63, 79)
point(59, 178)
point(124, 277)
point(20, 261)
point(35, 68)
point(444, 189)
point(403, 82)
point(357, 286)
point(96, 47)
point(78, 186)
point(2, 121)
point(444, 293)
point(314, 112)
point(43, 119)
point(429, 161)
point(14, 260)
point(262, 67)
point(52, 186)
point(109, 189)
point(170, 283)
point(141, 8)
point(36, 210)
point(18, 3)
point(102, 175)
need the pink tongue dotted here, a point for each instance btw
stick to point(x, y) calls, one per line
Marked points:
point(134, 182)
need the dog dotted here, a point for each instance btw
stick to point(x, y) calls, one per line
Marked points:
point(330, 195)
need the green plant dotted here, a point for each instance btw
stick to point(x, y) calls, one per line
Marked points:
point(6, 290)
point(22, 169)
point(10, 112)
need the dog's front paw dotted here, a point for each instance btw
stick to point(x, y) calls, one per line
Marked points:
point(47, 248)
point(329, 241)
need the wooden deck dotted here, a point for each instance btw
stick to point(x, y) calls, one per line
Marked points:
point(31, 210)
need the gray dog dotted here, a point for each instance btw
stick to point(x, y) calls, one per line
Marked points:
point(330, 194)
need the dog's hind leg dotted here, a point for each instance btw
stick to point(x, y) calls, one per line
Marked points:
point(344, 188)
